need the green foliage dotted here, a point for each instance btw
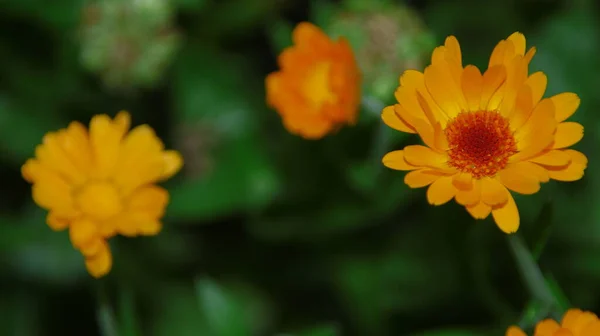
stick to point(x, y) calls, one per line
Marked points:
point(267, 233)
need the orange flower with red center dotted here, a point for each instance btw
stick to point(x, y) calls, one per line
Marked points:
point(484, 134)
point(574, 323)
point(317, 88)
point(101, 182)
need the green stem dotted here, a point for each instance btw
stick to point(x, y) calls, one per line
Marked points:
point(105, 313)
point(531, 272)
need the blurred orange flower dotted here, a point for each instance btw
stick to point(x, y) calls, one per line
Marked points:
point(317, 88)
point(101, 183)
point(574, 323)
point(484, 134)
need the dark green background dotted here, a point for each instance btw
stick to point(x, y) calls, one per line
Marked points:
point(266, 233)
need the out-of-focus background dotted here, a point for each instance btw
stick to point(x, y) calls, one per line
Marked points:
point(267, 233)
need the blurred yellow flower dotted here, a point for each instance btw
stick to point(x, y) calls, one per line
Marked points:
point(317, 88)
point(101, 183)
point(574, 323)
point(485, 134)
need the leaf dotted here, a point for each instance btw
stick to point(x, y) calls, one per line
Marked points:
point(34, 251)
point(456, 332)
point(322, 330)
point(280, 35)
point(559, 295)
point(231, 311)
point(15, 144)
point(217, 94)
point(243, 180)
point(176, 312)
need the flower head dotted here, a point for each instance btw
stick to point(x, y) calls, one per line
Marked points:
point(318, 86)
point(100, 183)
point(574, 323)
point(484, 134)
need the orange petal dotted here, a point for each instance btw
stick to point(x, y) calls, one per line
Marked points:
point(309, 35)
point(105, 140)
point(492, 191)
point(518, 40)
point(82, 232)
point(573, 172)
point(514, 331)
point(516, 76)
point(565, 104)
point(569, 320)
point(100, 264)
point(444, 90)
point(173, 161)
point(530, 53)
point(463, 181)
point(506, 215)
point(515, 178)
point(453, 50)
point(149, 199)
point(493, 79)
point(537, 133)
point(523, 108)
point(470, 197)
point(422, 156)
point(546, 327)
point(497, 57)
point(554, 158)
point(540, 173)
point(421, 178)
point(479, 210)
point(537, 82)
point(393, 120)
point(441, 191)
point(93, 247)
point(472, 85)
point(415, 80)
point(591, 329)
point(567, 134)
point(585, 319)
point(56, 222)
point(395, 160)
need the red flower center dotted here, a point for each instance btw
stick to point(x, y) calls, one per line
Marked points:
point(480, 142)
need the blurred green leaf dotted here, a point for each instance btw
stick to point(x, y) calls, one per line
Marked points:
point(322, 12)
point(32, 250)
point(323, 330)
point(18, 314)
point(192, 5)
point(217, 95)
point(15, 144)
point(280, 35)
point(223, 316)
point(243, 180)
point(176, 312)
point(559, 295)
point(230, 312)
point(455, 332)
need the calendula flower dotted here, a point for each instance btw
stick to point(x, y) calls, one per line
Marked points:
point(574, 323)
point(101, 182)
point(318, 86)
point(484, 134)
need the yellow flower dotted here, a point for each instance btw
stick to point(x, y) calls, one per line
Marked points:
point(485, 133)
point(318, 87)
point(101, 183)
point(574, 323)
